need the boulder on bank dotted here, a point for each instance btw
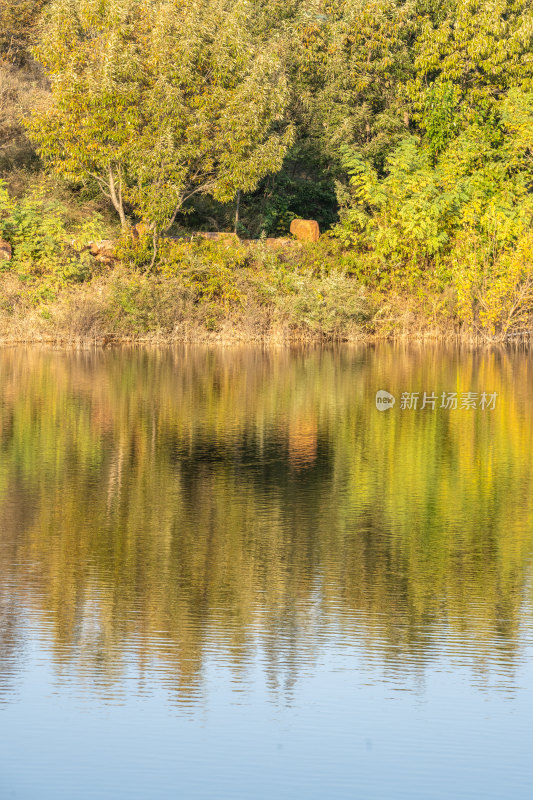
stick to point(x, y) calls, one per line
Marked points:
point(103, 251)
point(6, 252)
point(306, 230)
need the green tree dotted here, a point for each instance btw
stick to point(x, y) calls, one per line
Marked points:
point(365, 48)
point(468, 55)
point(466, 175)
point(155, 101)
point(347, 61)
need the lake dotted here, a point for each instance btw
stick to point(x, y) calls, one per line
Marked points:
point(227, 573)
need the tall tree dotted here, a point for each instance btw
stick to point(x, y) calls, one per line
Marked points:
point(155, 101)
point(362, 50)
point(348, 61)
point(467, 56)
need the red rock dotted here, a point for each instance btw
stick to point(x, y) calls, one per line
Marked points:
point(139, 230)
point(103, 251)
point(281, 241)
point(306, 230)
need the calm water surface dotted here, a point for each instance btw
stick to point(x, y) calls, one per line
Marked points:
point(226, 574)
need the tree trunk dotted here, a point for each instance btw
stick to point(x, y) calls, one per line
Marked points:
point(156, 250)
point(237, 210)
point(116, 197)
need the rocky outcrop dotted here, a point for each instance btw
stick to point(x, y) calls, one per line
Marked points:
point(306, 230)
point(103, 251)
point(6, 252)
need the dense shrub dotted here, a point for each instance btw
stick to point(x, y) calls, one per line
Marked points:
point(42, 242)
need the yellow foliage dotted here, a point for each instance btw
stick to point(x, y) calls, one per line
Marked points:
point(495, 296)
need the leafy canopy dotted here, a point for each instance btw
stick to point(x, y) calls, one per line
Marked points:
point(157, 100)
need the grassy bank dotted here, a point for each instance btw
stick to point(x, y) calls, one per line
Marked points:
point(58, 286)
point(204, 291)
point(212, 294)
point(251, 307)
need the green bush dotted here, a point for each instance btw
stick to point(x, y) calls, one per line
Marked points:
point(41, 241)
point(333, 305)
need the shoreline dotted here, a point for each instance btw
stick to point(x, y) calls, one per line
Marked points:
point(272, 342)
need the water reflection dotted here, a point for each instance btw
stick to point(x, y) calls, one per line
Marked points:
point(160, 509)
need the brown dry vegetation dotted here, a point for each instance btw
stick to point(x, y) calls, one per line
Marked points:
point(251, 304)
point(118, 306)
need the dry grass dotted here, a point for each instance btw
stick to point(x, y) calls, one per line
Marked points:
point(119, 308)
